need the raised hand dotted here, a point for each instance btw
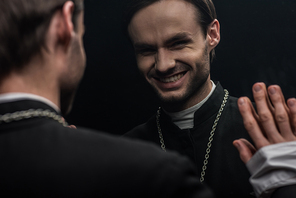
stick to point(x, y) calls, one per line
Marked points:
point(274, 122)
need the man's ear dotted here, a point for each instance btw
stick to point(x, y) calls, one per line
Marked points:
point(213, 34)
point(66, 26)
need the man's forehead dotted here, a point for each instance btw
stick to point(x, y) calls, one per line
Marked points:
point(164, 12)
point(168, 7)
point(163, 20)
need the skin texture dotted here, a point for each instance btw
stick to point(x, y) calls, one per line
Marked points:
point(173, 53)
point(274, 122)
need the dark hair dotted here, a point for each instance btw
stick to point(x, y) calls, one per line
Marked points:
point(24, 24)
point(206, 14)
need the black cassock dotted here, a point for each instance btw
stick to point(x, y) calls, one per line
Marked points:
point(42, 158)
point(226, 174)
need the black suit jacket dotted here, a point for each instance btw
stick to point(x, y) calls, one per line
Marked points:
point(41, 158)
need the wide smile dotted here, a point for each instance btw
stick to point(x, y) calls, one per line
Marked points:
point(172, 78)
point(171, 82)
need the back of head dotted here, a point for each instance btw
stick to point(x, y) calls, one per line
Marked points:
point(205, 16)
point(24, 24)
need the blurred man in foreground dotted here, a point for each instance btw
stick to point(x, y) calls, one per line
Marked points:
point(42, 60)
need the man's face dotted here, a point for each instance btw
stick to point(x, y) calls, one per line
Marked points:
point(171, 50)
point(76, 66)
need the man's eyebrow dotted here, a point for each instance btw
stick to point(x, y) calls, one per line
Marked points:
point(178, 37)
point(143, 46)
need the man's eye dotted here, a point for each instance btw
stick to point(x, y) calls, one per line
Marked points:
point(145, 52)
point(179, 44)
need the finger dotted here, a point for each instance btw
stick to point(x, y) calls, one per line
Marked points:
point(278, 88)
point(284, 101)
point(249, 145)
point(280, 114)
point(292, 107)
point(72, 127)
point(246, 149)
point(264, 112)
point(269, 104)
point(249, 118)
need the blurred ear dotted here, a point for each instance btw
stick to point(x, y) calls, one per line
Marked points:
point(213, 34)
point(65, 26)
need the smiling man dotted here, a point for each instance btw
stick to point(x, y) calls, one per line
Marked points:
point(174, 42)
point(172, 52)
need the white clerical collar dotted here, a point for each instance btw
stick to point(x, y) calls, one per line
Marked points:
point(185, 119)
point(12, 97)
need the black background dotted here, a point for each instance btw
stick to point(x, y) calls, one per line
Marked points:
point(257, 44)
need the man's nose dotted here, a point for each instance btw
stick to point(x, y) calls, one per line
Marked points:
point(164, 61)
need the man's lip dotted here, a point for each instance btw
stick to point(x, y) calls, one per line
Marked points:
point(171, 78)
point(172, 82)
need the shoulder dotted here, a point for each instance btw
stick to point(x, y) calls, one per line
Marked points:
point(140, 164)
point(134, 152)
point(95, 161)
point(143, 131)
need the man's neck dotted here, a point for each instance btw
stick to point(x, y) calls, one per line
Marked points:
point(19, 83)
point(185, 119)
point(13, 97)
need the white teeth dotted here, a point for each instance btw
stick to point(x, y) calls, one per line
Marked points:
point(172, 78)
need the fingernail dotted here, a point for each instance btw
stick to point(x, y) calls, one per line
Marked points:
point(257, 88)
point(291, 103)
point(236, 145)
point(241, 101)
point(272, 90)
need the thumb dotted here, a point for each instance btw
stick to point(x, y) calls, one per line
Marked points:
point(245, 148)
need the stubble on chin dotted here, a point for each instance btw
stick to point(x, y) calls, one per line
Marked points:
point(186, 98)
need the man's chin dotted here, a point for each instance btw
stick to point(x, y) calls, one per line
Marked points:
point(171, 99)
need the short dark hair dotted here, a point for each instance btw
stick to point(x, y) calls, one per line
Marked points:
point(24, 24)
point(206, 14)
